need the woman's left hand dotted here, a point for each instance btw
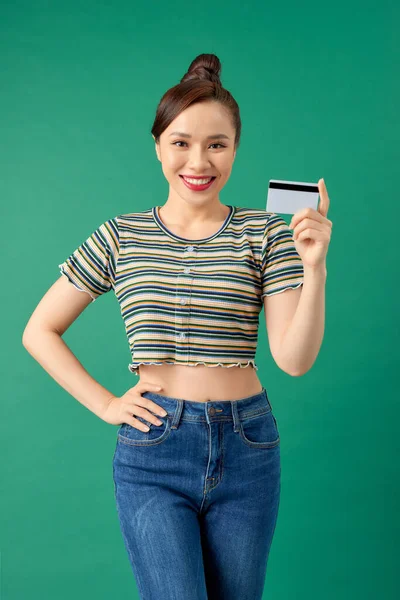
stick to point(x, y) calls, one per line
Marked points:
point(312, 231)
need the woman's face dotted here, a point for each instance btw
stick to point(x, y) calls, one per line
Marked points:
point(198, 154)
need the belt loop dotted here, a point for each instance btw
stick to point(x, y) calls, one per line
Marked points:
point(177, 415)
point(236, 417)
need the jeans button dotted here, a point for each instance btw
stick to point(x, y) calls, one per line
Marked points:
point(211, 411)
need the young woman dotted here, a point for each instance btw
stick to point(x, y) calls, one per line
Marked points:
point(196, 467)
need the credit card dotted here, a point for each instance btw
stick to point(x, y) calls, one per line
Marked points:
point(288, 197)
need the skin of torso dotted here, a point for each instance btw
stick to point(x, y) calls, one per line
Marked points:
point(201, 383)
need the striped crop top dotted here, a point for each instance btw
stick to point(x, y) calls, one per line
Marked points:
point(188, 302)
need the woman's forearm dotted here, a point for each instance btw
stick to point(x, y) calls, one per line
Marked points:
point(53, 354)
point(303, 338)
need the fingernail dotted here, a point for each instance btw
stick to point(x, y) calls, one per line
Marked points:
point(163, 413)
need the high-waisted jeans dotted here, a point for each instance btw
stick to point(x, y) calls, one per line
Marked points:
point(197, 498)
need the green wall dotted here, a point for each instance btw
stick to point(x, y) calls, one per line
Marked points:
point(318, 89)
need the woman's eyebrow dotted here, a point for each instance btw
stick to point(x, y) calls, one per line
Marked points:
point(210, 137)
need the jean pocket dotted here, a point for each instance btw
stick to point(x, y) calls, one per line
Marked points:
point(127, 434)
point(260, 430)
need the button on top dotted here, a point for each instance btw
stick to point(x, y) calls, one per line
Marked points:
point(183, 300)
point(211, 411)
point(187, 269)
point(190, 248)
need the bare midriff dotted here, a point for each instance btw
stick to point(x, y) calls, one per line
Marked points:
point(201, 383)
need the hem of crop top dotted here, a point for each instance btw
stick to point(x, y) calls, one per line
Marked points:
point(133, 367)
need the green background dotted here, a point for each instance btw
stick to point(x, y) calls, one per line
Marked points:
point(318, 90)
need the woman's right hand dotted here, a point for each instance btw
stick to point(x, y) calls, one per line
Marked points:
point(121, 410)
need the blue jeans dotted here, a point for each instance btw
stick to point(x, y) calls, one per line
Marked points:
point(197, 498)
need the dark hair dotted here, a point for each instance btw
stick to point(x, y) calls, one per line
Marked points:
point(201, 83)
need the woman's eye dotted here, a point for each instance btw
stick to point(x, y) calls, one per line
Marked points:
point(180, 142)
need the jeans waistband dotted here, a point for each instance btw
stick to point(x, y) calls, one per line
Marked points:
point(213, 410)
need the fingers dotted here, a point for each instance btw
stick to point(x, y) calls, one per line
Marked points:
point(310, 224)
point(307, 214)
point(144, 407)
point(146, 415)
point(137, 424)
point(142, 387)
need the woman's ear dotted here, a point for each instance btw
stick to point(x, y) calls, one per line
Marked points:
point(157, 148)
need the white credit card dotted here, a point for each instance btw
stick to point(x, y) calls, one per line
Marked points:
point(288, 197)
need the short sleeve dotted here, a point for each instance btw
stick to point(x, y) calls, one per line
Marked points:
point(281, 265)
point(92, 266)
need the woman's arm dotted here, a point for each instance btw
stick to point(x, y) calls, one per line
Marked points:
point(303, 337)
point(57, 310)
point(53, 354)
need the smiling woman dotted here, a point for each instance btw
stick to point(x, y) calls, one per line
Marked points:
point(193, 275)
point(190, 277)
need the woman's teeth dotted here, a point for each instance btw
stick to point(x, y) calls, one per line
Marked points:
point(197, 181)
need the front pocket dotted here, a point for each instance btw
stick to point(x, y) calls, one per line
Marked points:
point(260, 431)
point(127, 434)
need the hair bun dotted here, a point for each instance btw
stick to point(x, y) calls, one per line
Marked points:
point(206, 67)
